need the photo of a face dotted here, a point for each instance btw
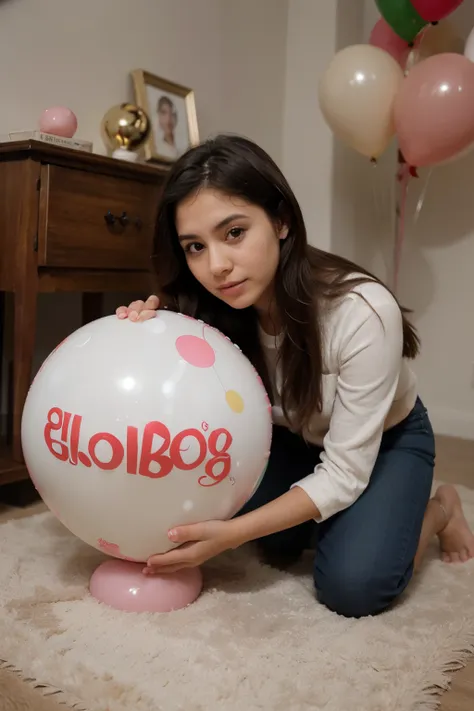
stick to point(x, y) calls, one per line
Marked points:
point(171, 109)
point(169, 123)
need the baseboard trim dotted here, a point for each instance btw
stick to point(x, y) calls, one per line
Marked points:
point(452, 423)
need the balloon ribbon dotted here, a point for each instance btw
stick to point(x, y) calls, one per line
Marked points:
point(404, 173)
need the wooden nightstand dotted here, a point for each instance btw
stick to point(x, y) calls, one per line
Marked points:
point(69, 221)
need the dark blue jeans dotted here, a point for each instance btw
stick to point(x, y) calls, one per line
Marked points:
point(364, 554)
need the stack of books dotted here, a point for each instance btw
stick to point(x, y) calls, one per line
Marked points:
point(76, 143)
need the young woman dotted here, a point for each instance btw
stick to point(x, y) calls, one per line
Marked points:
point(352, 458)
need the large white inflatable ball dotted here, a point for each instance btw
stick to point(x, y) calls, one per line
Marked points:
point(132, 428)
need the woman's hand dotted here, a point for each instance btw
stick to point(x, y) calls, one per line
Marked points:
point(139, 310)
point(199, 542)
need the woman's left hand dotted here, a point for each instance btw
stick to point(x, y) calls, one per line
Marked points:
point(199, 542)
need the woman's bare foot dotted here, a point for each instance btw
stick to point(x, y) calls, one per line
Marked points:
point(456, 538)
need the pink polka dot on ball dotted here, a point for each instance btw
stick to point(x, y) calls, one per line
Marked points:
point(58, 121)
point(196, 351)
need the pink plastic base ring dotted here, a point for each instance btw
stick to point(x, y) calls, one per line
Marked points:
point(122, 585)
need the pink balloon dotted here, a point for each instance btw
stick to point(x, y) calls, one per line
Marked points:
point(435, 10)
point(434, 110)
point(58, 121)
point(384, 37)
point(122, 585)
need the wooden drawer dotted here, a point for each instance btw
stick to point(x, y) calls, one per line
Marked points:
point(93, 220)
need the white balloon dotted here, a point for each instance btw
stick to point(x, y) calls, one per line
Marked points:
point(469, 48)
point(132, 428)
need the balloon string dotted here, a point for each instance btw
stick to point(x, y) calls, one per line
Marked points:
point(404, 178)
point(415, 52)
point(422, 197)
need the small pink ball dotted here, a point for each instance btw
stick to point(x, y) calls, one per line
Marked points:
point(58, 121)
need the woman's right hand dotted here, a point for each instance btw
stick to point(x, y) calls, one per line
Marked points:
point(139, 310)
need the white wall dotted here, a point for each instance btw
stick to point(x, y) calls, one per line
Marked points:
point(438, 266)
point(261, 81)
point(252, 64)
point(80, 55)
point(323, 172)
point(308, 145)
point(349, 207)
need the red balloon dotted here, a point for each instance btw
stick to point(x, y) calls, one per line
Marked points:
point(434, 110)
point(385, 38)
point(435, 10)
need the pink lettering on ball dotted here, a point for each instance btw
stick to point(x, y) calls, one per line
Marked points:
point(62, 434)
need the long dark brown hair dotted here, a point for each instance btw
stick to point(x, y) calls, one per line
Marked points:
point(305, 277)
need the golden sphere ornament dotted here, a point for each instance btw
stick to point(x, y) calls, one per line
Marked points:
point(125, 128)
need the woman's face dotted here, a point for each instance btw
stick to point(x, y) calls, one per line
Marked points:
point(166, 118)
point(232, 247)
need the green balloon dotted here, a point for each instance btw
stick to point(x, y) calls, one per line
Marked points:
point(402, 18)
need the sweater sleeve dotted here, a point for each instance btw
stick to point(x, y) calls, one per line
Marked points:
point(370, 345)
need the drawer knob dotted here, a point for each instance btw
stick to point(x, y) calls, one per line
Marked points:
point(124, 219)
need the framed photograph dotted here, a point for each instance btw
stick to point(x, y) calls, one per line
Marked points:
point(172, 112)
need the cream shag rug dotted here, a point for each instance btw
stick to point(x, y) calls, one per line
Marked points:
point(255, 639)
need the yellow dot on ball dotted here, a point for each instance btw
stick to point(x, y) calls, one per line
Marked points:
point(234, 400)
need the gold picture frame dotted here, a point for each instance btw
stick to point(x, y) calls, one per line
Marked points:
point(171, 109)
